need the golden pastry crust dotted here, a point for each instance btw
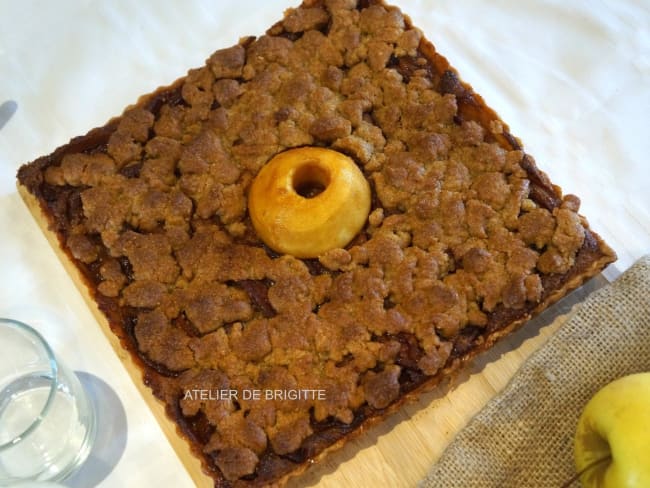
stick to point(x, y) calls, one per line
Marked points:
point(466, 238)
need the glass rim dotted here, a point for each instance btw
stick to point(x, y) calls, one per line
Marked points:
point(54, 369)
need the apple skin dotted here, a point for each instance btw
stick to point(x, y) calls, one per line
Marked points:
point(615, 427)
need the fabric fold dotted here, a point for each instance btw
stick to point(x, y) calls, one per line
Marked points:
point(524, 436)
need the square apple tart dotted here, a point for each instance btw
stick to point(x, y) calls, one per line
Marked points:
point(274, 310)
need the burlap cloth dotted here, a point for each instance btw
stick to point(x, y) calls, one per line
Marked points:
point(524, 436)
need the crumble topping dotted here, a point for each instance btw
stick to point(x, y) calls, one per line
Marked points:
point(454, 232)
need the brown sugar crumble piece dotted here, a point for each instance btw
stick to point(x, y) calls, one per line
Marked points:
point(466, 238)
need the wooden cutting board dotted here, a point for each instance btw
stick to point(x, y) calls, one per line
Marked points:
point(399, 451)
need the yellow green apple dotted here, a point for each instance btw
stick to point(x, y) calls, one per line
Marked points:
point(612, 440)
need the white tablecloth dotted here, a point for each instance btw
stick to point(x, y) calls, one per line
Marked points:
point(570, 78)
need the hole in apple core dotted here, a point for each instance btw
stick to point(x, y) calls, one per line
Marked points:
point(310, 179)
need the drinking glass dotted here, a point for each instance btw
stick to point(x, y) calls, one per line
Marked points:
point(47, 423)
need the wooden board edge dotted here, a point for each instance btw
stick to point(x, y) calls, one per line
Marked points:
point(182, 449)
